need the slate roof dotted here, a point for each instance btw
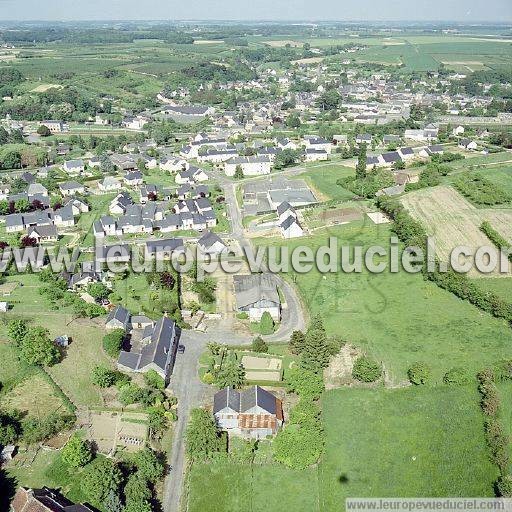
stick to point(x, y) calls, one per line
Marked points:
point(209, 239)
point(160, 350)
point(283, 207)
point(120, 314)
point(252, 288)
point(288, 222)
point(392, 156)
point(169, 244)
point(244, 400)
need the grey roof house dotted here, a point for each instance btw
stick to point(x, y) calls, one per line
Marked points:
point(252, 413)
point(152, 348)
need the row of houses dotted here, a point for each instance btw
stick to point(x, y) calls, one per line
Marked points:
point(406, 154)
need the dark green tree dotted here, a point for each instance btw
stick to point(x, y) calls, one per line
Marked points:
point(361, 163)
point(203, 440)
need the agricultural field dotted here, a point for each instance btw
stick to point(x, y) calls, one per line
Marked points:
point(378, 312)
point(230, 487)
point(73, 373)
point(417, 53)
point(453, 221)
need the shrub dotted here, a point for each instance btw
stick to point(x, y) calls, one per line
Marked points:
point(35, 430)
point(203, 440)
point(457, 377)
point(297, 342)
point(366, 369)
point(103, 377)
point(504, 486)
point(149, 465)
point(208, 378)
point(130, 394)
point(112, 342)
point(305, 383)
point(266, 323)
point(242, 315)
point(153, 380)
point(419, 373)
point(99, 478)
point(259, 345)
point(76, 452)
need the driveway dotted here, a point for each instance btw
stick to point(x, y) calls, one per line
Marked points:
point(185, 383)
point(191, 393)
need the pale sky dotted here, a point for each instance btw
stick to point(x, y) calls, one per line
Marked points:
point(371, 10)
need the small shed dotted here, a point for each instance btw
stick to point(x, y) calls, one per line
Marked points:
point(4, 307)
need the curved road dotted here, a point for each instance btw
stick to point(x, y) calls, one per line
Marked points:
point(185, 383)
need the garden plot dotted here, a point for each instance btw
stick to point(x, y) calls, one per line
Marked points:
point(110, 430)
point(262, 368)
point(453, 221)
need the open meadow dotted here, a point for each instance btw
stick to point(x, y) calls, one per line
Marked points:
point(398, 318)
point(401, 442)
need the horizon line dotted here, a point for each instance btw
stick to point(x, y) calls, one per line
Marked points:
point(257, 20)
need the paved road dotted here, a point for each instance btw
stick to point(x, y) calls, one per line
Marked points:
point(185, 383)
point(191, 393)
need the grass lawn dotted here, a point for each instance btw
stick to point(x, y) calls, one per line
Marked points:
point(73, 373)
point(323, 181)
point(501, 286)
point(229, 487)
point(405, 442)
point(398, 317)
point(39, 405)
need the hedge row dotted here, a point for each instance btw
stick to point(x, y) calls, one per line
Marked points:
point(412, 233)
point(500, 242)
point(497, 440)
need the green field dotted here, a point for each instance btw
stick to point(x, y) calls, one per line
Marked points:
point(398, 317)
point(404, 442)
point(323, 180)
point(501, 286)
point(231, 487)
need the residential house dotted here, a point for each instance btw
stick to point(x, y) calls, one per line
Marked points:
point(249, 165)
point(435, 149)
point(406, 153)
point(211, 244)
point(172, 164)
point(165, 249)
point(118, 318)
point(364, 138)
point(54, 126)
point(191, 175)
point(133, 178)
point(317, 143)
point(316, 155)
point(468, 144)
point(109, 184)
point(44, 500)
point(253, 413)
point(74, 167)
point(43, 233)
point(35, 189)
point(120, 203)
point(290, 228)
point(113, 253)
point(153, 348)
point(255, 294)
point(71, 188)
